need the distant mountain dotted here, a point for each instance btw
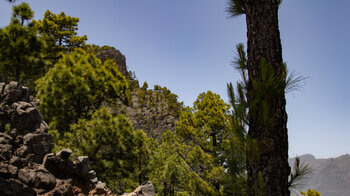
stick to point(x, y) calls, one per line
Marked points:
point(331, 177)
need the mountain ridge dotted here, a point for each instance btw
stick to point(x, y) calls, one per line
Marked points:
point(331, 177)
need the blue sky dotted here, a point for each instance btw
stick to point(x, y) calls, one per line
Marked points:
point(187, 46)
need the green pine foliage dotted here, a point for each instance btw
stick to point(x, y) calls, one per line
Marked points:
point(207, 121)
point(21, 49)
point(170, 173)
point(119, 155)
point(144, 150)
point(60, 34)
point(174, 169)
point(236, 156)
point(298, 176)
point(241, 145)
point(95, 49)
point(22, 12)
point(28, 48)
point(76, 86)
point(203, 140)
point(236, 7)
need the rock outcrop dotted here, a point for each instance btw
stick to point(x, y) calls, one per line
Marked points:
point(116, 56)
point(27, 166)
point(152, 119)
point(145, 189)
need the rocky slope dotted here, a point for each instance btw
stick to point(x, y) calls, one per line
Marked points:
point(27, 166)
point(331, 177)
point(153, 111)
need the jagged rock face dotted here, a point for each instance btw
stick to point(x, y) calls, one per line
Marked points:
point(117, 57)
point(37, 176)
point(27, 166)
point(28, 138)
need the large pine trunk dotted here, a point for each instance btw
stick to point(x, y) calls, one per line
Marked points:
point(271, 167)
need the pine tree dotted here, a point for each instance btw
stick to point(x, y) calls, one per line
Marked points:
point(23, 13)
point(203, 133)
point(206, 122)
point(112, 147)
point(170, 173)
point(144, 150)
point(21, 49)
point(76, 86)
point(60, 34)
point(240, 122)
point(267, 115)
point(236, 156)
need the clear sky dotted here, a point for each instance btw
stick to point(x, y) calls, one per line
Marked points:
point(187, 46)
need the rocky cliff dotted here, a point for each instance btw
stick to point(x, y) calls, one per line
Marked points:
point(27, 166)
point(107, 52)
point(152, 112)
point(331, 177)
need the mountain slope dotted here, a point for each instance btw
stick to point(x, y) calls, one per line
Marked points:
point(331, 177)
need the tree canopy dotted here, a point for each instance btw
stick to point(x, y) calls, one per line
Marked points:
point(60, 34)
point(195, 152)
point(78, 84)
point(28, 48)
point(117, 153)
point(21, 49)
point(22, 12)
point(205, 124)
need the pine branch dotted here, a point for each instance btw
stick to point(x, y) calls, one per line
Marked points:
point(300, 173)
point(235, 7)
point(293, 81)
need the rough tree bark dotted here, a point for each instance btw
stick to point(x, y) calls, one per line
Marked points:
point(264, 42)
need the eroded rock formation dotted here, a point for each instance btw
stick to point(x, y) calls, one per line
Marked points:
point(116, 56)
point(27, 166)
